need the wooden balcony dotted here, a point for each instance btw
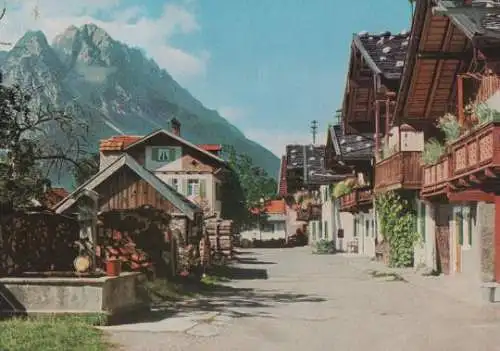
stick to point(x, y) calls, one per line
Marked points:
point(475, 159)
point(357, 200)
point(435, 182)
point(310, 213)
point(401, 170)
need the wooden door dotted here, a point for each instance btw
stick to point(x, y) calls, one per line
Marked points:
point(443, 239)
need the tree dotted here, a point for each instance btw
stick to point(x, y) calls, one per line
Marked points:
point(36, 142)
point(246, 185)
point(88, 167)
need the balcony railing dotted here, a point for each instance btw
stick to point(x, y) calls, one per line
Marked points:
point(475, 157)
point(356, 200)
point(436, 177)
point(401, 170)
point(310, 213)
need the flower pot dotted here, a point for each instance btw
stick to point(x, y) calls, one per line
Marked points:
point(113, 268)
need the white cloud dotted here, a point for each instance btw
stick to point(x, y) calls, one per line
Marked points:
point(129, 25)
point(276, 140)
point(231, 113)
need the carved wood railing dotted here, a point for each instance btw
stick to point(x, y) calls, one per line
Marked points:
point(356, 199)
point(435, 177)
point(401, 170)
point(476, 152)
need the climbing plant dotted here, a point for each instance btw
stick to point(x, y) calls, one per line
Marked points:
point(398, 227)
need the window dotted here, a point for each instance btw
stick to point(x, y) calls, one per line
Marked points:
point(165, 154)
point(4, 155)
point(355, 227)
point(325, 227)
point(320, 229)
point(367, 228)
point(313, 227)
point(193, 187)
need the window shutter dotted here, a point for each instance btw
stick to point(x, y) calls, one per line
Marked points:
point(171, 154)
point(178, 152)
point(154, 153)
point(203, 190)
point(460, 225)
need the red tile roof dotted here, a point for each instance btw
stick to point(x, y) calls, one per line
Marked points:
point(54, 195)
point(118, 143)
point(210, 147)
point(273, 207)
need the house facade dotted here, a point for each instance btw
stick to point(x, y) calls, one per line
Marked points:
point(195, 171)
point(271, 224)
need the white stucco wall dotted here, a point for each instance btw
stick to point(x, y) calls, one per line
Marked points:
point(263, 233)
point(327, 208)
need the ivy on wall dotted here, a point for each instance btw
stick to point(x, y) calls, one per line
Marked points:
point(397, 220)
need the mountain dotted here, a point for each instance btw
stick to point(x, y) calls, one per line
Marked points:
point(116, 89)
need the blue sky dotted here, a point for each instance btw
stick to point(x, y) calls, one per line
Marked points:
point(268, 66)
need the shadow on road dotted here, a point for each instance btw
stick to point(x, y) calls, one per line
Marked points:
point(252, 260)
point(236, 302)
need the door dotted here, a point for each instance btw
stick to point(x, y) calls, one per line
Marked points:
point(443, 239)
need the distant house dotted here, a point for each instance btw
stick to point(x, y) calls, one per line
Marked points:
point(195, 171)
point(271, 225)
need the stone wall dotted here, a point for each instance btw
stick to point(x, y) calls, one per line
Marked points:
point(110, 295)
point(486, 231)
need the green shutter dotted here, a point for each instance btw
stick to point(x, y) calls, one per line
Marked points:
point(178, 152)
point(460, 224)
point(171, 154)
point(355, 227)
point(154, 154)
point(203, 190)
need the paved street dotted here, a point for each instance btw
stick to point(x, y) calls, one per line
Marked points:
point(290, 299)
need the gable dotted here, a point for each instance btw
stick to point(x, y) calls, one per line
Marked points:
point(162, 138)
point(120, 188)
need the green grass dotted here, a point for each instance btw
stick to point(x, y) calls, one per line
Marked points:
point(52, 333)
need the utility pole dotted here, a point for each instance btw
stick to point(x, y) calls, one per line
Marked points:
point(314, 130)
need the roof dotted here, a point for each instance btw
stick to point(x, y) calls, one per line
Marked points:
point(179, 139)
point(481, 18)
point(210, 147)
point(384, 52)
point(310, 159)
point(54, 195)
point(276, 207)
point(351, 146)
point(118, 143)
point(187, 207)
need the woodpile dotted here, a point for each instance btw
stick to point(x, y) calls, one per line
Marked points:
point(220, 233)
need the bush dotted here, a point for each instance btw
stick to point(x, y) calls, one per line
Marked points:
point(450, 127)
point(324, 247)
point(433, 150)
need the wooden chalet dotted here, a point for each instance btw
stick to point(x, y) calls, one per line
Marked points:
point(352, 155)
point(461, 188)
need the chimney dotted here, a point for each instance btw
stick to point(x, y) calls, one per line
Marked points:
point(175, 126)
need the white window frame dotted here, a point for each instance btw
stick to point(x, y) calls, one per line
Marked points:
point(194, 185)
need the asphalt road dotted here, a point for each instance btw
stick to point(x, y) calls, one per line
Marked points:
point(289, 299)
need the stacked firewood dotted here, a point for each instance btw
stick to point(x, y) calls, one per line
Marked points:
point(220, 233)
